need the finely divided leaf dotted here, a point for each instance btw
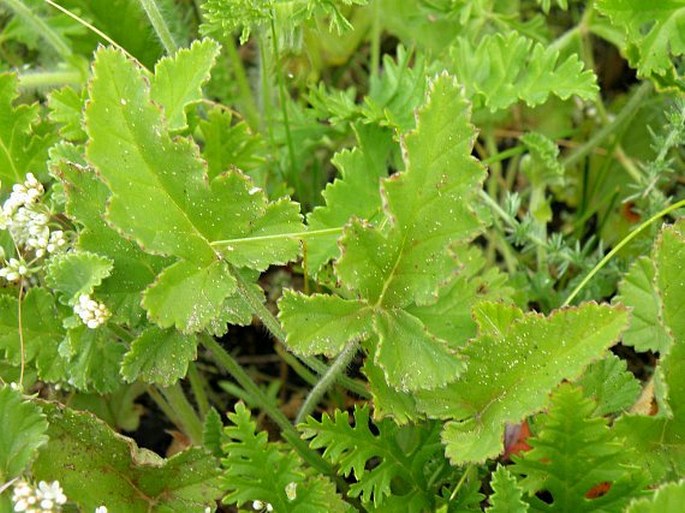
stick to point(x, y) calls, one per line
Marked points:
point(159, 356)
point(512, 366)
point(507, 494)
point(154, 178)
point(257, 470)
point(23, 432)
point(178, 79)
point(502, 70)
point(654, 33)
point(574, 452)
point(96, 467)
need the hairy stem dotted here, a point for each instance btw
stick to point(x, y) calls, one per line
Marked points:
point(160, 25)
point(185, 413)
point(626, 113)
point(334, 373)
point(246, 99)
point(229, 363)
point(38, 79)
point(39, 26)
point(197, 385)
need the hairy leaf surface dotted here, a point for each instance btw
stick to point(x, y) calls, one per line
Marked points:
point(123, 477)
point(513, 364)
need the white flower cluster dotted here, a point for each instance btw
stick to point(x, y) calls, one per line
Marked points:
point(14, 270)
point(28, 223)
point(45, 498)
point(92, 313)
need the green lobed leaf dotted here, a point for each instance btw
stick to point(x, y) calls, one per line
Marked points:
point(654, 35)
point(94, 359)
point(574, 452)
point(97, 467)
point(159, 356)
point(255, 469)
point(405, 259)
point(152, 176)
point(668, 498)
point(76, 273)
point(179, 78)
point(354, 193)
point(637, 290)
point(507, 496)
point(119, 408)
point(41, 332)
point(513, 364)
point(322, 324)
point(87, 197)
point(23, 141)
point(212, 432)
point(504, 69)
point(23, 432)
point(660, 440)
point(610, 385)
point(66, 109)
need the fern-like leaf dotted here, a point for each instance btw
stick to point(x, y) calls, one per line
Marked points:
point(573, 453)
point(256, 470)
point(353, 446)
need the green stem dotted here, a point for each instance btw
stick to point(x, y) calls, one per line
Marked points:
point(39, 27)
point(50, 79)
point(160, 25)
point(189, 421)
point(294, 363)
point(630, 108)
point(274, 327)
point(376, 40)
point(246, 99)
point(197, 385)
point(294, 175)
point(335, 371)
point(618, 248)
point(224, 359)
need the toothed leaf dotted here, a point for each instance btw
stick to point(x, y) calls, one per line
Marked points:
point(77, 273)
point(513, 364)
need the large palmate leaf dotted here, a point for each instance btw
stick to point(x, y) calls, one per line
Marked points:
point(133, 270)
point(514, 362)
point(502, 70)
point(654, 35)
point(161, 198)
point(97, 467)
point(660, 440)
point(256, 470)
point(609, 383)
point(574, 452)
point(23, 141)
point(406, 257)
point(23, 432)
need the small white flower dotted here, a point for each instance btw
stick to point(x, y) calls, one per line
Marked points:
point(291, 491)
point(101, 509)
point(14, 270)
point(45, 498)
point(92, 313)
point(258, 505)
